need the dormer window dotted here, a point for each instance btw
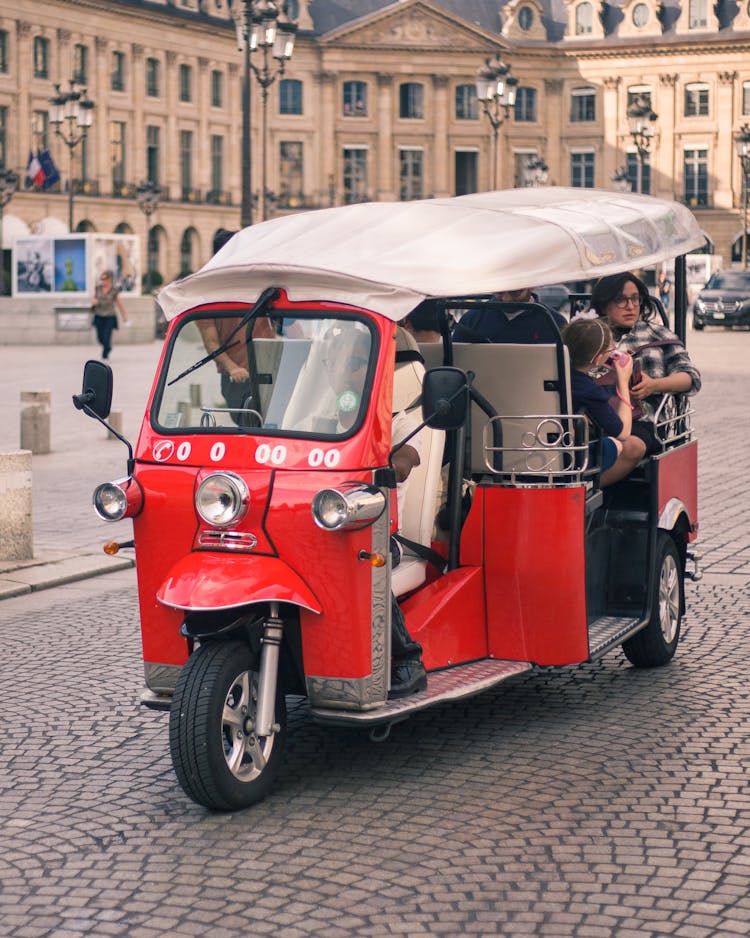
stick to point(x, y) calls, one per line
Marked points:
point(584, 19)
point(640, 14)
point(525, 18)
point(697, 14)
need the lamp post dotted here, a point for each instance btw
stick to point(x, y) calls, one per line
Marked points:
point(148, 195)
point(8, 186)
point(535, 172)
point(742, 142)
point(71, 114)
point(640, 121)
point(496, 91)
point(261, 26)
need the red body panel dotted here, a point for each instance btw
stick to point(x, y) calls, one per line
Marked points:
point(678, 478)
point(534, 574)
point(447, 618)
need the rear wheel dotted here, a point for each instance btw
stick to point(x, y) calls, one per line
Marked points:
point(219, 760)
point(697, 325)
point(656, 644)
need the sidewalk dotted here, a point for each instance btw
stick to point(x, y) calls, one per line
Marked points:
point(68, 535)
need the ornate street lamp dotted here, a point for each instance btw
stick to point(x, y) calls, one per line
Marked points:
point(71, 114)
point(640, 121)
point(8, 186)
point(742, 142)
point(496, 92)
point(535, 172)
point(148, 196)
point(261, 27)
point(621, 180)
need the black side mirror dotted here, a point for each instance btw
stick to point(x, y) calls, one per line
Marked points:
point(445, 398)
point(96, 395)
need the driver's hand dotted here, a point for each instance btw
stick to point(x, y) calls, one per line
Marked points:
point(239, 373)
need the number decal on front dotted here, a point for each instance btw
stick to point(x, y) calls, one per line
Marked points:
point(319, 457)
point(278, 455)
point(315, 458)
point(332, 458)
point(217, 452)
point(263, 453)
point(183, 451)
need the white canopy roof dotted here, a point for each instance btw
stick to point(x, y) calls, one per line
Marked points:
point(387, 256)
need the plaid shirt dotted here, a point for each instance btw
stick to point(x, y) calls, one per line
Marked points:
point(656, 362)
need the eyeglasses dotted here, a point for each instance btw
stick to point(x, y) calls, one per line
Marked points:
point(622, 302)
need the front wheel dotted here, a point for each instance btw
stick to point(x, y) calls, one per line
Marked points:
point(219, 760)
point(697, 325)
point(656, 644)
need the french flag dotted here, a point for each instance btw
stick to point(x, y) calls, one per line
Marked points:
point(34, 172)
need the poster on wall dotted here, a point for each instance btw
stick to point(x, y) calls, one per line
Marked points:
point(119, 255)
point(70, 265)
point(33, 265)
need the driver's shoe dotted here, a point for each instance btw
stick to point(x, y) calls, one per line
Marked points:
point(407, 677)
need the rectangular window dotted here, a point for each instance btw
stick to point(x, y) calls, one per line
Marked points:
point(582, 170)
point(746, 97)
point(525, 109)
point(639, 93)
point(217, 165)
point(117, 82)
point(290, 96)
point(41, 57)
point(217, 89)
point(3, 137)
point(152, 78)
point(118, 154)
point(186, 162)
point(696, 100)
point(354, 99)
point(466, 103)
point(695, 175)
point(80, 64)
point(186, 83)
point(355, 175)
point(40, 123)
point(3, 50)
point(467, 173)
point(152, 154)
point(697, 14)
point(410, 174)
point(583, 104)
point(633, 170)
point(411, 100)
point(291, 183)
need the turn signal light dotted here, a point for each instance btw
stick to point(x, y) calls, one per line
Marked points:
point(375, 559)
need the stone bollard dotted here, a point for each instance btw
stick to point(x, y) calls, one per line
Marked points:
point(115, 421)
point(35, 421)
point(16, 533)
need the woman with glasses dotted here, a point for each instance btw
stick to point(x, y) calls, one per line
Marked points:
point(661, 362)
point(105, 306)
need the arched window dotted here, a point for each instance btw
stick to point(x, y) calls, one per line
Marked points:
point(123, 228)
point(187, 245)
point(584, 19)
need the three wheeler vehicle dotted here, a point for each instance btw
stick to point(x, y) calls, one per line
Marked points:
point(263, 498)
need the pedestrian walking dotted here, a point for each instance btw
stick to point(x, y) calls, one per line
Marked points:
point(105, 307)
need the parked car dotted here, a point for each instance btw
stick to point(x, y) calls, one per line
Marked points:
point(724, 301)
point(555, 295)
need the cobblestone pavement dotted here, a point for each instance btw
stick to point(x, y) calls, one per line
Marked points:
point(592, 801)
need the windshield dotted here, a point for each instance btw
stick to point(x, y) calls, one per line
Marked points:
point(305, 375)
point(729, 280)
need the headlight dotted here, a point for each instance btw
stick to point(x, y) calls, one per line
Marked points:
point(351, 505)
point(699, 305)
point(222, 499)
point(110, 501)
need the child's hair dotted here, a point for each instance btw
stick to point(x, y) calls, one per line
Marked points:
point(586, 339)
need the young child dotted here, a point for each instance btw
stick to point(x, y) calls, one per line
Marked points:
point(591, 345)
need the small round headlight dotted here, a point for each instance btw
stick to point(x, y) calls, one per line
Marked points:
point(222, 499)
point(350, 505)
point(329, 509)
point(110, 501)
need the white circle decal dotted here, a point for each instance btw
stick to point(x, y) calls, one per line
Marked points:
point(332, 458)
point(263, 453)
point(217, 452)
point(163, 450)
point(315, 458)
point(183, 451)
point(278, 455)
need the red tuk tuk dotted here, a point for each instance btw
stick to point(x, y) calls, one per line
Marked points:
point(262, 512)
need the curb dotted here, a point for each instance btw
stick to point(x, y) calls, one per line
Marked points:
point(43, 573)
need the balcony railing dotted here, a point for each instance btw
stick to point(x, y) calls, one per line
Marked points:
point(190, 195)
point(123, 190)
point(218, 197)
point(85, 187)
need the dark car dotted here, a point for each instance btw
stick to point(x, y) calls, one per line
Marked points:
point(724, 301)
point(556, 297)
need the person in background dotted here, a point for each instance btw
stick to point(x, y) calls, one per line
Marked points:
point(661, 363)
point(590, 344)
point(423, 322)
point(517, 325)
point(664, 288)
point(105, 306)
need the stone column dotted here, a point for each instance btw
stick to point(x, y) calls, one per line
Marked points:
point(16, 533)
point(99, 140)
point(385, 157)
point(559, 170)
point(135, 132)
point(203, 143)
point(35, 421)
point(440, 157)
point(170, 144)
point(725, 159)
point(666, 166)
point(326, 142)
point(25, 136)
point(233, 156)
point(613, 156)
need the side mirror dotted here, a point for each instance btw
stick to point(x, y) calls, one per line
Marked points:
point(96, 395)
point(445, 398)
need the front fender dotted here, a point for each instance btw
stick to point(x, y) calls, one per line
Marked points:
point(203, 581)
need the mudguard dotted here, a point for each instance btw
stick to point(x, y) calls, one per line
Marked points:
point(203, 581)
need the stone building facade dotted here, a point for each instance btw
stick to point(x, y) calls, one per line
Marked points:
point(377, 102)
